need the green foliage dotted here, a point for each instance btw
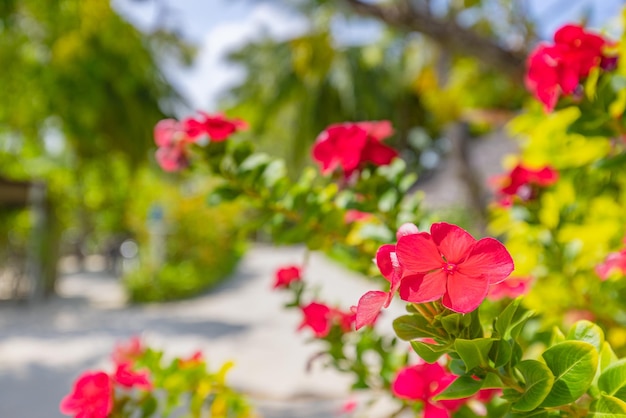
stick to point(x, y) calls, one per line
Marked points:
point(202, 245)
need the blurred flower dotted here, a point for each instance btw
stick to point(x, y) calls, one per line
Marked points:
point(350, 146)
point(422, 382)
point(522, 182)
point(174, 138)
point(286, 275)
point(615, 263)
point(127, 377)
point(191, 361)
point(91, 397)
point(450, 264)
point(349, 406)
point(557, 69)
point(320, 319)
point(510, 288)
point(217, 127)
point(128, 351)
point(317, 318)
point(353, 215)
point(345, 320)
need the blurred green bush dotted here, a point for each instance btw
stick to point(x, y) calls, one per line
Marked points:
point(202, 244)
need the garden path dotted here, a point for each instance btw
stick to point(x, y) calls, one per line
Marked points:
point(44, 347)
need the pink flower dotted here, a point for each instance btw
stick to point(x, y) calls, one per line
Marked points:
point(92, 396)
point(353, 215)
point(194, 360)
point(615, 263)
point(371, 303)
point(174, 138)
point(511, 288)
point(350, 146)
point(522, 182)
point(217, 127)
point(320, 319)
point(128, 351)
point(450, 264)
point(345, 320)
point(286, 275)
point(421, 383)
point(557, 69)
point(317, 318)
point(127, 377)
point(349, 406)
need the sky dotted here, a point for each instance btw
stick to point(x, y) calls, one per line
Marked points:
point(220, 26)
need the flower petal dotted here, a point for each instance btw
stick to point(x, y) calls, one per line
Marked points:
point(410, 384)
point(423, 288)
point(385, 262)
point(369, 307)
point(465, 293)
point(454, 242)
point(417, 253)
point(488, 258)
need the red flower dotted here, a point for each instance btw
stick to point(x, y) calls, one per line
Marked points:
point(557, 69)
point(450, 264)
point(522, 182)
point(372, 302)
point(352, 145)
point(321, 318)
point(174, 138)
point(615, 263)
point(353, 215)
point(511, 288)
point(127, 377)
point(92, 396)
point(217, 127)
point(345, 320)
point(195, 359)
point(128, 351)
point(421, 383)
point(316, 317)
point(286, 275)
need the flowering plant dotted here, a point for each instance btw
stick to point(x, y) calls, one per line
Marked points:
point(143, 384)
point(560, 213)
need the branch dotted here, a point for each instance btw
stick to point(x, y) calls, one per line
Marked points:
point(447, 33)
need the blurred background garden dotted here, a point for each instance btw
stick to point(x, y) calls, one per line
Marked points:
point(83, 83)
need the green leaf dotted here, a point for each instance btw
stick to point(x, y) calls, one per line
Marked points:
point(538, 381)
point(462, 387)
point(607, 407)
point(538, 413)
point(587, 331)
point(473, 352)
point(607, 356)
point(500, 353)
point(412, 327)
point(430, 353)
point(573, 364)
point(452, 323)
point(504, 319)
point(556, 337)
point(223, 193)
point(148, 407)
point(512, 319)
point(492, 381)
point(613, 380)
